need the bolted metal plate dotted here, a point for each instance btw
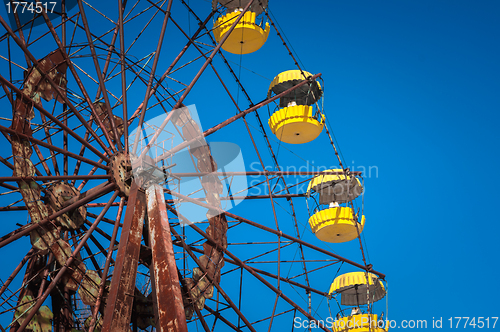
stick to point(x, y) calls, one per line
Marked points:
point(56, 196)
point(120, 169)
point(89, 289)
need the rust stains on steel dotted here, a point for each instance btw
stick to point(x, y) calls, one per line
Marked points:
point(275, 232)
point(258, 173)
point(35, 86)
point(268, 274)
point(121, 294)
point(54, 178)
point(52, 67)
point(169, 201)
point(26, 229)
point(71, 260)
point(200, 287)
point(57, 195)
point(231, 119)
point(167, 297)
point(51, 215)
point(103, 114)
point(193, 82)
point(215, 283)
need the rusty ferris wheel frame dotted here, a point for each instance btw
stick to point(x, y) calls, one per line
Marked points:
point(55, 121)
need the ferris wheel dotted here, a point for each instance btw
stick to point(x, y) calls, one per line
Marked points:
point(120, 211)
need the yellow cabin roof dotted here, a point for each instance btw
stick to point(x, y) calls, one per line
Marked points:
point(335, 187)
point(305, 95)
point(354, 288)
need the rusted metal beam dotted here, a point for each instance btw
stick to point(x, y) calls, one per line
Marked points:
point(54, 178)
point(250, 270)
point(99, 73)
point(8, 186)
point(68, 263)
point(26, 229)
point(52, 147)
point(118, 309)
point(278, 233)
point(197, 76)
point(16, 271)
point(49, 140)
point(229, 121)
point(106, 265)
point(258, 173)
point(219, 316)
point(207, 275)
point(276, 315)
point(90, 192)
point(179, 56)
point(201, 319)
point(268, 274)
point(59, 123)
point(345, 260)
point(167, 297)
point(152, 75)
point(92, 171)
point(168, 201)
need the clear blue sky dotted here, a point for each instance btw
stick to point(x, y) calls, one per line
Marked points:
point(413, 88)
point(412, 91)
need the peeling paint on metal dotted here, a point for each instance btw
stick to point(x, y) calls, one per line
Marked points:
point(121, 296)
point(200, 288)
point(167, 295)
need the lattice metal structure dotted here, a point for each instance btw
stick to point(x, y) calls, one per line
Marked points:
point(93, 236)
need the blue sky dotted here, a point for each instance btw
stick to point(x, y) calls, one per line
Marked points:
point(419, 83)
point(411, 93)
point(411, 88)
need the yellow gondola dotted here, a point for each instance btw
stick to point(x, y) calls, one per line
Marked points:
point(295, 122)
point(304, 95)
point(358, 323)
point(356, 290)
point(247, 36)
point(335, 187)
point(336, 225)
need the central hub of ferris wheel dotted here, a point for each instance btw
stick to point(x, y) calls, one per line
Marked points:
point(124, 168)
